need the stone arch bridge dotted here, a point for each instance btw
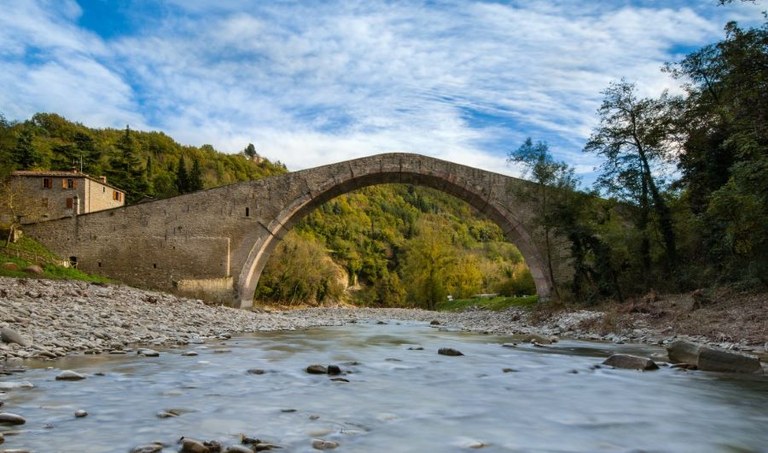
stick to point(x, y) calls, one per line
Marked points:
point(214, 244)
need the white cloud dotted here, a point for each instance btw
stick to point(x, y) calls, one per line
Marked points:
point(313, 83)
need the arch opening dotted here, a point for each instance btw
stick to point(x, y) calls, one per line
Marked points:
point(303, 205)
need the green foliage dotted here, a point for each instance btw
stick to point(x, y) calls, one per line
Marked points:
point(29, 247)
point(402, 245)
point(301, 272)
point(145, 164)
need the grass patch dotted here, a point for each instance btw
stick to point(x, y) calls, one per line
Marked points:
point(50, 271)
point(488, 303)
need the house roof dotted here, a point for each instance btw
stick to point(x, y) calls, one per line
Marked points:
point(63, 174)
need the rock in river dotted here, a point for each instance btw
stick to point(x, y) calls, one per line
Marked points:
point(631, 362)
point(69, 375)
point(317, 369)
point(449, 352)
point(7, 418)
point(320, 444)
point(711, 359)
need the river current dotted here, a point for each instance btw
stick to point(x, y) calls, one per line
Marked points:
point(399, 398)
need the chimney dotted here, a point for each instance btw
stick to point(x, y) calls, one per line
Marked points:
point(103, 179)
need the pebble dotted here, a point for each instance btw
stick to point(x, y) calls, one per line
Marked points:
point(70, 317)
point(80, 413)
point(69, 375)
point(449, 352)
point(317, 369)
point(7, 418)
point(320, 444)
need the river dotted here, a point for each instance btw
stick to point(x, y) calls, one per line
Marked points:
point(398, 398)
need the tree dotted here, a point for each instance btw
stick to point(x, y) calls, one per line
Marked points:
point(725, 142)
point(182, 177)
point(195, 177)
point(15, 205)
point(250, 151)
point(633, 137)
point(427, 264)
point(25, 154)
point(554, 181)
point(127, 171)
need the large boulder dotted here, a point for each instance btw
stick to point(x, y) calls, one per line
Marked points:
point(631, 362)
point(682, 351)
point(8, 335)
point(711, 359)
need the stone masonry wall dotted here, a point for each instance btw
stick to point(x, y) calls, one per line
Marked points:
point(218, 240)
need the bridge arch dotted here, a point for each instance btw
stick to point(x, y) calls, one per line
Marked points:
point(487, 192)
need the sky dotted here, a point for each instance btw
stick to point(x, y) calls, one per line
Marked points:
point(315, 82)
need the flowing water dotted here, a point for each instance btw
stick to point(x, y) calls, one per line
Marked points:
point(398, 398)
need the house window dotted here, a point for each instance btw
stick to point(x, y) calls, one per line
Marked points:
point(44, 202)
point(47, 183)
point(70, 203)
point(117, 196)
point(68, 183)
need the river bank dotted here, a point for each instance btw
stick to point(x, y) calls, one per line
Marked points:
point(47, 319)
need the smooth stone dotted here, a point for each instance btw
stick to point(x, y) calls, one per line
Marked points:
point(317, 369)
point(320, 444)
point(711, 359)
point(34, 269)
point(416, 348)
point(682, 351)
point(238, 449)
point(69, 375)
point(146, 352)
point(7, 418)
point(256, 371)
point(81, 413)
point(631, 362)
point(189, 354)
point(150, 448)
point(8, 335)
point(334, 370)
point(449, 352)
point(193, 446)
point(10, 385)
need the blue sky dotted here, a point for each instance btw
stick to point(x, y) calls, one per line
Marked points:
point(315, 82)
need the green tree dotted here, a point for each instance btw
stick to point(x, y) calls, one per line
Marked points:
point(632, 137)
point(25, 155)
point(195, 177)
point(554, 182)
point(428, 258)
point(182, 177)
point(725, 160)
point(250, 151)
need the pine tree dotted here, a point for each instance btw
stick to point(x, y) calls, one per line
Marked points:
point(182, 177)
point(195, 177)
point(25, 154)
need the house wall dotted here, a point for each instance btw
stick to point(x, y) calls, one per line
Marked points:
point(59, 198)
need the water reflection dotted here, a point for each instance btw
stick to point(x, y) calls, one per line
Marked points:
point(397, 398)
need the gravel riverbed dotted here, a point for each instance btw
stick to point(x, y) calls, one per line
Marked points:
point(47, 319)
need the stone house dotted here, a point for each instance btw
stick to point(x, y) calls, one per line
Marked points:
point(57, 194)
